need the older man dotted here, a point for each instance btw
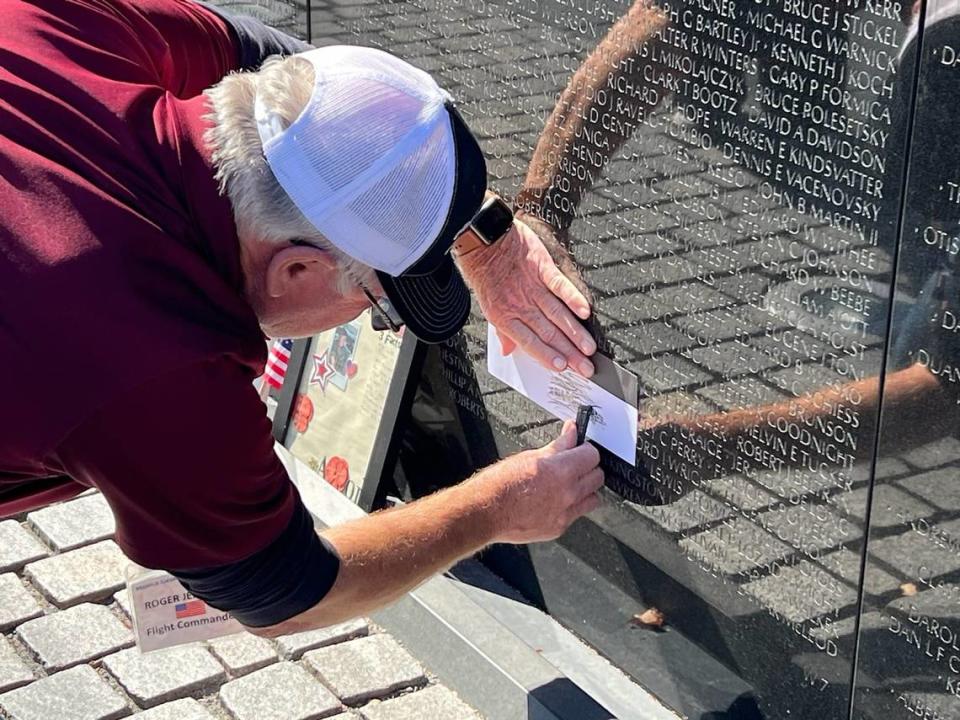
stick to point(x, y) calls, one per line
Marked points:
point(152, 233)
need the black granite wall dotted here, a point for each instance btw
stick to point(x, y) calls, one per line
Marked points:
point(762, 197)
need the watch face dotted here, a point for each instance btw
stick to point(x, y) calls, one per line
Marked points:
point(493, 220)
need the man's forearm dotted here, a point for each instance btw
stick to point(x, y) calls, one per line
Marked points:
point(532, 496)
point(389, 553)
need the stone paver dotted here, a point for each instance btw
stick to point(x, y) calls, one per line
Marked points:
point(71, 524)
point(16, 602)
point(18, 547)
point(367, 668)
point(14, 672)
point(123, 600)
point(156, 677)
point(82, 633)
point(74, 694)
point(243, 653)
point(292, 647)
point(436, 703)
point(284, 691)
point(78, 635)
point(185, 709)
point(89, 573)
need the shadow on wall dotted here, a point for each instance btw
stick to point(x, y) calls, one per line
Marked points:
point(743, 708)
point(561, 698)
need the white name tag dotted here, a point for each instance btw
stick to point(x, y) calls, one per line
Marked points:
point(165, 614)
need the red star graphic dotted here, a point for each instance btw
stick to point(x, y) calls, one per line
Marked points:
point(321, 371)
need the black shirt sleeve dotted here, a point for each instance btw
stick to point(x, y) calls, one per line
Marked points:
point(290, 575)
point(188, 466)
point(256, 41)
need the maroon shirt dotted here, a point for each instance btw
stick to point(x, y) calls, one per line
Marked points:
point(128, 348)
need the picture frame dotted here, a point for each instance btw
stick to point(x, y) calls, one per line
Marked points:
point(344, 393)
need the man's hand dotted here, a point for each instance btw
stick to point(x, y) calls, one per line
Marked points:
point(529, 301)
point(529, 497)
point(537, 494)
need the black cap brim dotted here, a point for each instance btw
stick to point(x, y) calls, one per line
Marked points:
point(430, 296)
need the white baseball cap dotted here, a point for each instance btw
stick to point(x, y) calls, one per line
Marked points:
point(382, 164)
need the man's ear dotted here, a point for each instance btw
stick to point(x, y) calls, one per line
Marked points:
point(295, 266)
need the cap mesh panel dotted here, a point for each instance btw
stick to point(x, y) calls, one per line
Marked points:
point(419, 190)
point(351, 129)
point(370, 161)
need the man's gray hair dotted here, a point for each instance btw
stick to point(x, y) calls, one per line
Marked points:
point(261, 207)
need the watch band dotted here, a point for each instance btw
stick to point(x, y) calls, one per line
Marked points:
point(467, 242)
point(490, 224)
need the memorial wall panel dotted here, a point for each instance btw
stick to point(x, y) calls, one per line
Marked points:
point(909, 658)
point(726, 176)
point(726, 179)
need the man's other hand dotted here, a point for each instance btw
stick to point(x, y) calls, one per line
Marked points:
point(535, 495)
point(530, 302)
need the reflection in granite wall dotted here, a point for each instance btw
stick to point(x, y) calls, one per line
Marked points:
point(909, 656)
point(728, 178)
point(290, 16)
point(723, 174)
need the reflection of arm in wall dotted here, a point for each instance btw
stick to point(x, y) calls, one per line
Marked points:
point(912, 394)
point(821, 419)
point(602, 105)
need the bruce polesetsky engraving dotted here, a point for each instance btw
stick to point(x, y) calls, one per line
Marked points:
point(725, 178)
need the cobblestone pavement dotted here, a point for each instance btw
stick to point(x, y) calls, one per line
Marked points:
point(67, 651)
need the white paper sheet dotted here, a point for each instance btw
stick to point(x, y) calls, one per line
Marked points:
point(614, 424)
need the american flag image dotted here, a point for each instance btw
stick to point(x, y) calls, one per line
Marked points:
point(190, 608)
point(277, 362)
